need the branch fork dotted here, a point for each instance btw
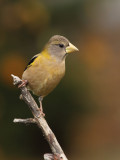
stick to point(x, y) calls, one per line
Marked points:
point(57, 152)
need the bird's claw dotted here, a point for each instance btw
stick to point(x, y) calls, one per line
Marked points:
point(23, 84)
point(41, 112)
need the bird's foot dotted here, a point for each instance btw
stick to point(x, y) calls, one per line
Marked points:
point(23, 84)
point(41, 108)
point(41, 111)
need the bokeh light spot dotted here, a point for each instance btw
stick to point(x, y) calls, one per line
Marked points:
point(12, 64)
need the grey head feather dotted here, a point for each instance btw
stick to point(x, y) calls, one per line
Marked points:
point(57, 46)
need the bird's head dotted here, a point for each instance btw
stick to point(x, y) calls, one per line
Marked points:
point(60, 46)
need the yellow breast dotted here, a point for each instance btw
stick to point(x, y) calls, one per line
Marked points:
point(44, 74)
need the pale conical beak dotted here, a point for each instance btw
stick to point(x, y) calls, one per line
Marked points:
point(71, 48)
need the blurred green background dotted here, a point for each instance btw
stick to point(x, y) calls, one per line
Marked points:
point(84, 110)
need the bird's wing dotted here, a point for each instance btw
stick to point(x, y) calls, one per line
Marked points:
point(31, 61)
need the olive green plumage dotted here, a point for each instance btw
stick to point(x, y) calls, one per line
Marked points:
point(46, 69)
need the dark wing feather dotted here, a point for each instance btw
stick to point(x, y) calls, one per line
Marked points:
point(31, 61)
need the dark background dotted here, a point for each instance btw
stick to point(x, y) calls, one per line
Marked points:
point(84, 110)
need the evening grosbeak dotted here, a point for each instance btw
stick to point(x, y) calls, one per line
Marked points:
point(46, 69)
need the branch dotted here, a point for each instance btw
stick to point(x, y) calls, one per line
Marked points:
point(28, 120)
point(57, 151)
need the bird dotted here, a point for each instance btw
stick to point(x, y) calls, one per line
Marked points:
point(46, 69)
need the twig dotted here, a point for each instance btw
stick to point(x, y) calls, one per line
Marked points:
point(57, 151)
point(28, 120)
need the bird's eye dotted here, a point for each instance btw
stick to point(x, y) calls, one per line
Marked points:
point(61, 45)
